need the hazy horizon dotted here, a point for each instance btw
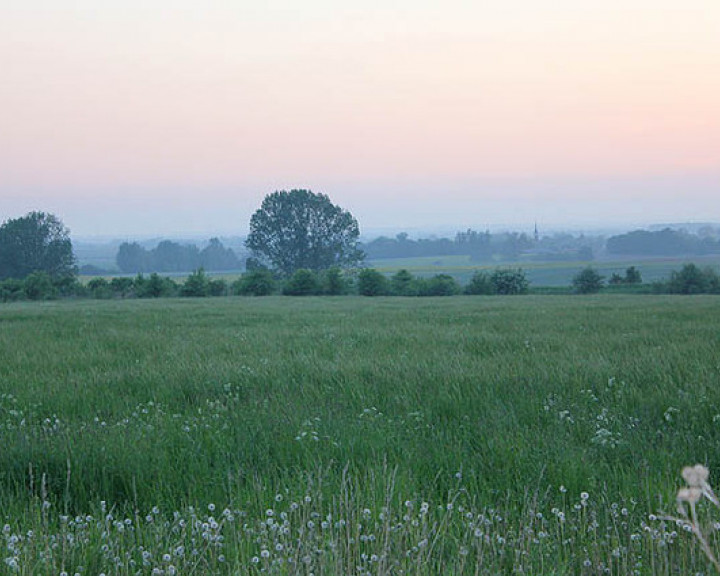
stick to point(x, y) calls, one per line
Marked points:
point(129, 119)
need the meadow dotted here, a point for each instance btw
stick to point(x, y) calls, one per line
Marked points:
point(544, 275)
point(465, 435)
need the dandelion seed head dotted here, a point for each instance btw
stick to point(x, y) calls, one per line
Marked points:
point(695, 476)
point(690, 495)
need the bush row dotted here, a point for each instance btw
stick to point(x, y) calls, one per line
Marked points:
point(690, 279)
point(261, 282)
point(370, 282)
point(334, 282)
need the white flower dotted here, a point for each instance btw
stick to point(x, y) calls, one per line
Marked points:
point(695, 476)
point(690, 495)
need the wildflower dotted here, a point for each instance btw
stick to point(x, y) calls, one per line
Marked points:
point(695, 476)
point(690, 495)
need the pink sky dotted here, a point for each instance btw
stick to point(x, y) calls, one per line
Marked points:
point(408, 113)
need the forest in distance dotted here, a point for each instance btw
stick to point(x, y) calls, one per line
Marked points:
point(229, 254)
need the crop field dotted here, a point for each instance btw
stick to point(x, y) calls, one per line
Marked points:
point(464, 435)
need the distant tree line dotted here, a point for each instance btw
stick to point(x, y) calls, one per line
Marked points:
point(169, 256)
point(486, 247)
point(667, 242)
point(510, 246)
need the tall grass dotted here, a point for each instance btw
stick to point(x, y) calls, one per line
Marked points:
point(487, 404)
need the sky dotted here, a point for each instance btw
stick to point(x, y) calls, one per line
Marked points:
point(145, 117)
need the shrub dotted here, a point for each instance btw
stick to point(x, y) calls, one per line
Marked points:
point(258, 282)
point(196, 285)
point(402, 283)
point(302, 283)
point(509, 282)
point(441, 285)
point(12, 290)
point(121, 287)
point(616, 279)
point(154, 286)
point(217, 287)
point(334, 283)
point(587, 281)
point(372, 283)
point(692, 280)
point(99, 288)
point(633, 276)
point(39, 286)
point(480, 283)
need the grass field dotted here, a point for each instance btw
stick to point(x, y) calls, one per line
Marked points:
point(542, 274)
point(476, 435)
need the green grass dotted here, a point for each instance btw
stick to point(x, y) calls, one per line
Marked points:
point(488, 402)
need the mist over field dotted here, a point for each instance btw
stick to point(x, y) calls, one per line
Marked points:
point(303, 288)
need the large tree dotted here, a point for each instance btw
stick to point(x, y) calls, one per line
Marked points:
point(36, 242)
point(302, 230)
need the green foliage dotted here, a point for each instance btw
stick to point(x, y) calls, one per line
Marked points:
point(216, 257)
point(334, 283)
point(372, 283)
point(217, 287)
point(616, 279)
point(197, 285)
point(39, 286)
point(302, 230)
point(302, 283)
point(37, 242)
point(587, 281)
point(440, 285)
point(402, 283)
point(480, 283)
point(99, 288)
point(667, 242)
point(12, 290)
point(259, 282)
point(509, 281)
point(169, 256)
point(633, 276)
point(693, 280)
point(132, 258)
point(122, 287)
point(154, 286)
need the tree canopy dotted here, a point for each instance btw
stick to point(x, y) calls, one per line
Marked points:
point(302, 230)
point(169, 256)
point(36, 242)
